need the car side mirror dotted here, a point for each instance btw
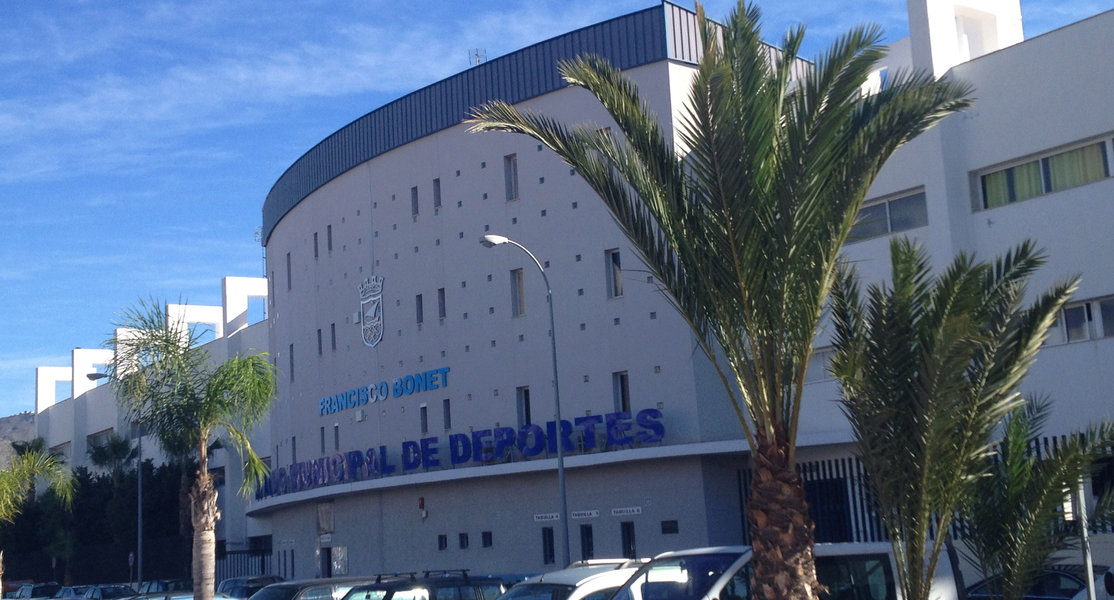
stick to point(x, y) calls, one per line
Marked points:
point(1108, 582)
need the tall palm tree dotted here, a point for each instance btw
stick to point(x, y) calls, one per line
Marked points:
point(167, 382)
point(744, 231)
point(1013, 521)
point(17, 482)
point(929, 367)
point(113, 454)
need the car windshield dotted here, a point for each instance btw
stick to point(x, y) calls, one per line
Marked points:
point(538, 591)
point(276, 592)
point(677, 577)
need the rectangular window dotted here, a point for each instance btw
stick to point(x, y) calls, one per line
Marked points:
point(486, 540)
point(322, 439)
point(902, 213)
point(626, 529)
point(441, 310)
point(336, 436)
point(447, 412)
point(333, 335)
point(418, 309)
point(289, 272)
point(670, 527)
point(1051, 173)
point(1106, 313)
point(549, 556)
point(510, 176)
point(620, 386)
point(436, 194)
point(463, 541)
point(414, 201)
point(1075, 322)
point(614, 273)
point(320, 348)
point(423, 415)
point(293, 449)
point(442, 542)
point(329, 238)
point(587, 544)
point(518, 293)
point(315, 253)
point(522, 399)
point(291, 362)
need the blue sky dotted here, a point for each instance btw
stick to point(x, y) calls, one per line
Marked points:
point(139, 139)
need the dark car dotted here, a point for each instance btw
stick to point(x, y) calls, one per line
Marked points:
point(1058, 582)
point(34, 591)
point(330, 588)
point(244, 587)
point(165, 585)
point(108, 592)
point(430, 585)
point(71, 592)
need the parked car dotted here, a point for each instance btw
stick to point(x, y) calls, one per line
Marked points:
point(71, 592)
point(850, 571)
point(165, 585)
point(36, 591)
point(333, 588)
point(108, 591)
point(244, 587)
point(594, 580)
point(430, 585)
point(1058, 582)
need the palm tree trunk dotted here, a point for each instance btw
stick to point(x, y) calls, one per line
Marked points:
point(203, 505)
point(781, 530)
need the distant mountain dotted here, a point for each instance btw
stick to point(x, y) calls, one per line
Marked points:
point(16, 428)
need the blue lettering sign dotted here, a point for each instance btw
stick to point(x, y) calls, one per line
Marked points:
point(460, 449)
point(618, 425)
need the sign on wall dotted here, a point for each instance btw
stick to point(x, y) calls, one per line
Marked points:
point(371, 310)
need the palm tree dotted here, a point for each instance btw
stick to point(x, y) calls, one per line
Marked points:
point(113, 454)
point(1013, 521)
point(18, 481)
point(167, 382)
point(929, 367)
point(745, 230)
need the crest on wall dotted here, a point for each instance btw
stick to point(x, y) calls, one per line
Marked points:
point(371, 310)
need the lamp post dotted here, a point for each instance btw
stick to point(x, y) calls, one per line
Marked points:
point(495, 240)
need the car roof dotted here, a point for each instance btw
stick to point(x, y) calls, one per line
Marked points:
point(574, 576)
point(705, 550)
point(603, 581)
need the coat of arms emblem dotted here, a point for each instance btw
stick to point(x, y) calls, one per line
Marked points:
point(371, 310)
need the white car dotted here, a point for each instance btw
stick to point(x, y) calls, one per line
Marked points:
point(586, 580)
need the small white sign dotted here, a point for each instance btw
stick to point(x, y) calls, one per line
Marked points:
point(326, 538)
point(547, 517)
point(585, 514)
point(626, 511)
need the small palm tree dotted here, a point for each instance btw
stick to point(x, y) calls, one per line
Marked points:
point(744, 230)
point(167, 382)
point(113, 454)
point(1013, 521)
point(929, 367)
point(17, 482)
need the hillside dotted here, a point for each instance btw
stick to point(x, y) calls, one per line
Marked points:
point(16, 428)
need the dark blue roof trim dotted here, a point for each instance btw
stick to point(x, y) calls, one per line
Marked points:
point(662, 32)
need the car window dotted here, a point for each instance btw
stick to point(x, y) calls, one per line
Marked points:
point(278, 592)
point(538, 591)
point(415, 594)
point(601, 594)
point(491, 591)
point(320, 592)
point(1056, 585)
point(677, 578)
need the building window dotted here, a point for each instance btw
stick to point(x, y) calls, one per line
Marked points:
point(436, 194)
point(626, 529)
point(414, 201)
point(418, 309)
point(463, 541)
point(614, 274)
point(510, 175)
point(620, 385)
point(1051, 173)
point(486, 539)
point(333, 335)
point(670, 527)
point(518, 293)
point(315, 253)
point(322, 439)
point(447, 412)
point(289, 272)
point(587, 543)
point(442, 542)
point(522, 399)
point(293, 449)
point(291, 362)
point(320, 348)
point(329, 238)
point(336, 436)
point(1092, 319)
point(423, 416)
point(549, 556)
point(441, 311)
point(902, 213)
point(99, 438)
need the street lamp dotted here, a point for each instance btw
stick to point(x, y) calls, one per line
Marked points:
point(489, 241)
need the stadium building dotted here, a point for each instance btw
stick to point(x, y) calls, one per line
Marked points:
point(416, 423)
